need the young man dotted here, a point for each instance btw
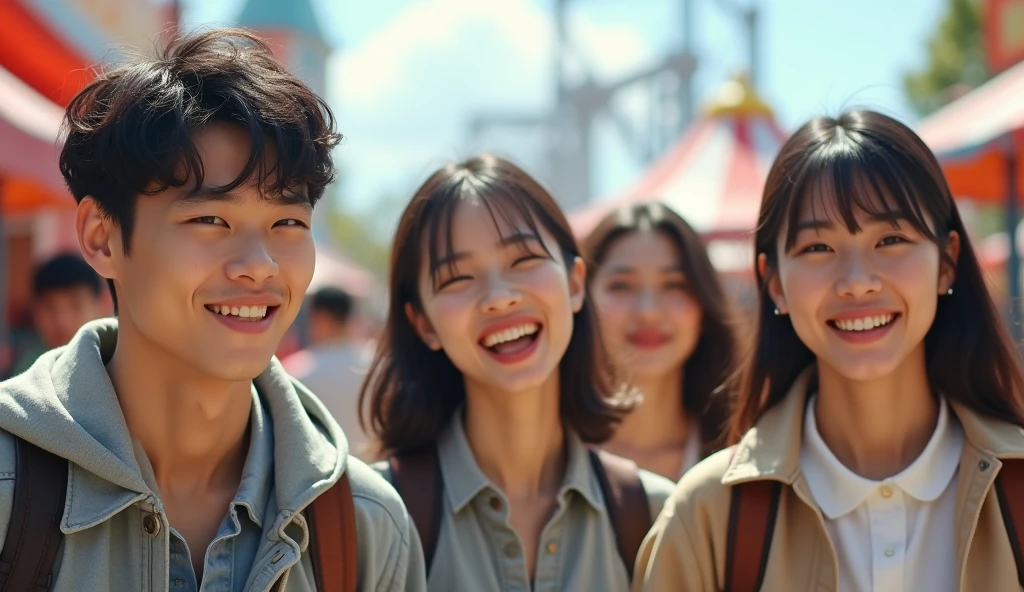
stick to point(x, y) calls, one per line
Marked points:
point(192, 461)
point(66, 294)
point(335, 364)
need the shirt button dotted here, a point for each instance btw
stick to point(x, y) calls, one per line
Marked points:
point(151, 525)
point(512, 550)
point(277, 557)
point(552, 548)
point(889, 552)
point(886, 492)
point(496, 504)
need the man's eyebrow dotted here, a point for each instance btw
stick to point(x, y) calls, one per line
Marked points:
point(213, 194)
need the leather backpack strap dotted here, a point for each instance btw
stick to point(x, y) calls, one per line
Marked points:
point(334, 540)
point(626, 502)
point(752, 513)
point(418, 480)
point(1010, 491)
point(34, 535)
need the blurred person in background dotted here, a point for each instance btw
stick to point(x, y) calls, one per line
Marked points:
point(335, 363)
point(667, 322)
point(66, 294)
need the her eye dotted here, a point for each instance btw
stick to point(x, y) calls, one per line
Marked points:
point(892, 240)
point(618, 286)
point(677, 286)
point(216, 220)
point(816, 248)
point(527, 257)
point(442, 284)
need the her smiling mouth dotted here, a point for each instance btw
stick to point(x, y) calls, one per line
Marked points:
point(864, 324)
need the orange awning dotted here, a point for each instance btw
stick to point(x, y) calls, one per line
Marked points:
point(973, 135)
point(29, 125)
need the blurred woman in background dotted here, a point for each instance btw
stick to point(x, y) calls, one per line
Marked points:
point(666, 321)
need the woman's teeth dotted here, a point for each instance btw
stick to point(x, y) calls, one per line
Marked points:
point(510, 334)
point(864, 324)
point(245, 312)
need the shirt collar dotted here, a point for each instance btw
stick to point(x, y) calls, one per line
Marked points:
point(257, 473)
point(838, 490)
point(464, 481)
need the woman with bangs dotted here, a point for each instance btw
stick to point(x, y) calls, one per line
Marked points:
point(489, 384)
point(879, 428)
point(666, 318)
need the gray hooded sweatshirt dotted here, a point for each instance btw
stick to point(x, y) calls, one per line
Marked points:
point(66, 405)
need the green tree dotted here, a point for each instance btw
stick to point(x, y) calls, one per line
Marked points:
point(956, 58)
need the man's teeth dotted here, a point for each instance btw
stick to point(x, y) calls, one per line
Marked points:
point(510, 334)
point(246, 312)
point(865, 324)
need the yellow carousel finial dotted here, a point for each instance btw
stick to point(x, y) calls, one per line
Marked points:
point(736, 98)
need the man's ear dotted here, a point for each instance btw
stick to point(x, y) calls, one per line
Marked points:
point(421, 324)
point(99, 238)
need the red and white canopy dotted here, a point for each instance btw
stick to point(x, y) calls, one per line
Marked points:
point(714, 175)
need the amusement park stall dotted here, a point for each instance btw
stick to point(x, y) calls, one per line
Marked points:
point(46, 47)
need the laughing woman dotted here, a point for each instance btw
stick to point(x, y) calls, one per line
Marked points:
point(880, 423)
point(489, 384)
point(666, 318)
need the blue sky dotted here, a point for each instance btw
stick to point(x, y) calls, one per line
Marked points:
point(407, 74)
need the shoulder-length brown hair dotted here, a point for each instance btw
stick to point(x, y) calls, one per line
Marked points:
point(712, 363)
point(969, 355)
point(411, 391)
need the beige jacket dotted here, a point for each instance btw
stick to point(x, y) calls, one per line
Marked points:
point(685, 551)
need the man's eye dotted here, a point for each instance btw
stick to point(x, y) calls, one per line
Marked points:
point(293, 222)
point(216, 220)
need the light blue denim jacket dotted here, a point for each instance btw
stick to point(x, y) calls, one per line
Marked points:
point(66, 404)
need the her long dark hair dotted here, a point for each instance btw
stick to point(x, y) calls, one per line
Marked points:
point(851, 161)
point(713, 361)
point(412, 391)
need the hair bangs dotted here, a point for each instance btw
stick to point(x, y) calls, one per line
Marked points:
point(511, 214)
point(857, 179)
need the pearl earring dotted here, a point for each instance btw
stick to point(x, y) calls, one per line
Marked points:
point(949, 291)
point(777, 311)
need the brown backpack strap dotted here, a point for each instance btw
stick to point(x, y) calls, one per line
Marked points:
point(334, 540)
point(751, 527)
point(626, 501)
point(418, 480)
point(34, 535)
point(1010, 491)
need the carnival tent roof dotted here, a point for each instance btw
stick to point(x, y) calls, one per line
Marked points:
point(714, 175)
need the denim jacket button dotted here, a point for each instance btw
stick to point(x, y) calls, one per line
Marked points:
point(277, 557)
point(151, 524)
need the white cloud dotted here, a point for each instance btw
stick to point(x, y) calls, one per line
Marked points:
point(406, 93)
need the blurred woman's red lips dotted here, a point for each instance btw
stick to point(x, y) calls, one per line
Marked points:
point(648, 338)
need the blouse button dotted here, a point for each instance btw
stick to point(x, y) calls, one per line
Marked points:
point(889, 552)
point(512, 550)
point(151, 524)
point(552, 548)
point(886, 492)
